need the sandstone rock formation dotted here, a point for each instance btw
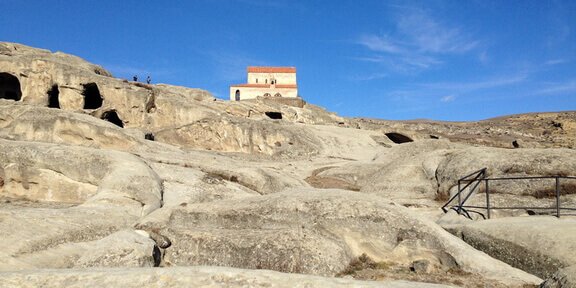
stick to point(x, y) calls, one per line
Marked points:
point(102, 172)
point(534, 130)
point(563, 278)
point(313, 232)
point(187, 277)
point(540, 245)
point(47, 172)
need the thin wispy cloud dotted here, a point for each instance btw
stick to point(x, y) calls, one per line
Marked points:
point(369, 77)
point(403, 63)
point(380, 44)
point(429, 35)
point(558, 88)
point(477, 85)
point(421, 61)
point(426, 94)
point(373, 59)
point(448, 98)
point(417, 43)
point(555, 62)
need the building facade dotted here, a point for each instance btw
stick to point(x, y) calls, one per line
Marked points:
point(273, 82)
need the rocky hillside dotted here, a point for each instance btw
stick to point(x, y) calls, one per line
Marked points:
point(103, 178)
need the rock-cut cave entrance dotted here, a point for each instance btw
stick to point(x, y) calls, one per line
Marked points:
point(10, 87)
point(398, 138)
point(53, 97)
point(92, 97)
point(112, 117)
point(274, 115)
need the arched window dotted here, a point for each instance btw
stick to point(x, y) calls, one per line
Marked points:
point(237, 96)
point(256, 80)
point(267, 95)
point(277, 95)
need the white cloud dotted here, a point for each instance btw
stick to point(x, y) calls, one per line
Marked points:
point(555, 88)
point(417, 42)
point(445, 92)
point(421, 61)
point(429, 35)
point(555, 62)
point(369, 77)
point(374, 59)
point(448, 98)
point(403, 63)
point(379, 44)
point(478, 85)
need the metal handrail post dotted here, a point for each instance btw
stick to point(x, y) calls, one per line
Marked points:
point(487, 199)
point(471, 190)
point(557, 196)
point(459, 198)
point(481, 171)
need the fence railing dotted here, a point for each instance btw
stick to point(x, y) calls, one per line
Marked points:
point(470, 184)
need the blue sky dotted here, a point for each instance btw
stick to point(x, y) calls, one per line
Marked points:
point(435, 59)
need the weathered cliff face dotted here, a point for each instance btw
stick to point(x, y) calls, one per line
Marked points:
point(63, 81)
point(314, 232)
point(40, 124)
point(227, 134)
point(507, 162)
point(48, 172)
point(102, 172)
point(517, 241)
point(534, 130)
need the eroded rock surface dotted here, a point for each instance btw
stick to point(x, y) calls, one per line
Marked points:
point(103, 172)
point(563, 278)
point(188, 277)
point(315, 232)
point(540, 245)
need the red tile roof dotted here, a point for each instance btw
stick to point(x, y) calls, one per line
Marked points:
point(258, 69)
point(266, 85)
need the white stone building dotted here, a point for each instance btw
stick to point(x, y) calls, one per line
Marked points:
point(274, 82)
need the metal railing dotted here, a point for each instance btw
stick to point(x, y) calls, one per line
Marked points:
point(469, 185)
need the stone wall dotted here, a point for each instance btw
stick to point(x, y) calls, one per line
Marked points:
point(281, 78)
point(254, 92)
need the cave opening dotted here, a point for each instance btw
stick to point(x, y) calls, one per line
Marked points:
point(53, 97)
point(92, 97)
point(149, 136)
point(274, 115)
point(112, 117)
point(10, 87)
point(398, 138)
